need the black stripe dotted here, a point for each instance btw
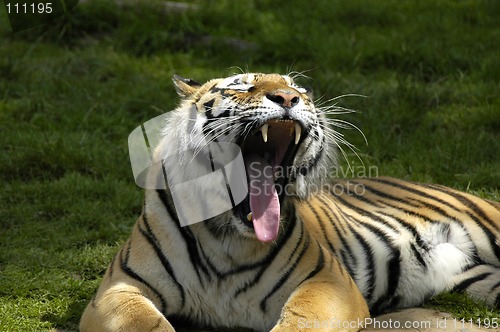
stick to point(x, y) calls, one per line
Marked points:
point(394, 273)
point(415, 191)
point(345, 249)
point(226, 113)
point(370, 264)
point(222, 92)
point(125, 268)
point(267, 261)
point(334, 216)
point(384, 194)
point(250, 284)
point(321, 225)
point(311, 163)
point(408, 202)
point(297, 245)
point(389, 300)
point(418, 256)
point(219, 276)
point(471, 205)
point(466, 283)
point(363, 212)
point(189, 239)
point(168, 204)
point(361, 197)
point(399, 208)
point(153, 240)
point(352, 263)
point(208, 105)
point(497, 285)
point(213, 118)
point(333, 224)
point(319, 266)
point(493, 241)
point(283, 278)
point(335, 260)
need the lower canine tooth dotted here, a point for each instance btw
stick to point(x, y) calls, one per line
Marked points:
point(263, 130)
point(298, 132)
point(249, 216)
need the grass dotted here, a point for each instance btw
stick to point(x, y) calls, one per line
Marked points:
point(72, 91)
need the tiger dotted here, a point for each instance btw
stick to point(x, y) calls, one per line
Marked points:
point(297, 246)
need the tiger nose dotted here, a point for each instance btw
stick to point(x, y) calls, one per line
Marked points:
point(284, 98)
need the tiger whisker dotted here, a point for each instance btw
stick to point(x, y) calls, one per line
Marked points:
point(215, 137)
point(339, 97)
point(338, 138)
point(346, 125)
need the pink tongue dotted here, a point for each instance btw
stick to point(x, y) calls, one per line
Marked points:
point(264, 201)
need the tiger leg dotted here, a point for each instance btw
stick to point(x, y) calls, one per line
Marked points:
point(481, 282)
point(123, 307)
point(324, 303)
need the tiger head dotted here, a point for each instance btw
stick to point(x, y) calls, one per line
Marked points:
point(283, 139)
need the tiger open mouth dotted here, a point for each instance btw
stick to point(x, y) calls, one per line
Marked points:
point(268, 153)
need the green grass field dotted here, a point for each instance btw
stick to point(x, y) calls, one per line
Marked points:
point(72, 91)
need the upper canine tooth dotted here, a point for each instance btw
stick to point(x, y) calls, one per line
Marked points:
point(298, 132)
point(263, 130)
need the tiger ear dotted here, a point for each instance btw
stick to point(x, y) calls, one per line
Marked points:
point(185, 87)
